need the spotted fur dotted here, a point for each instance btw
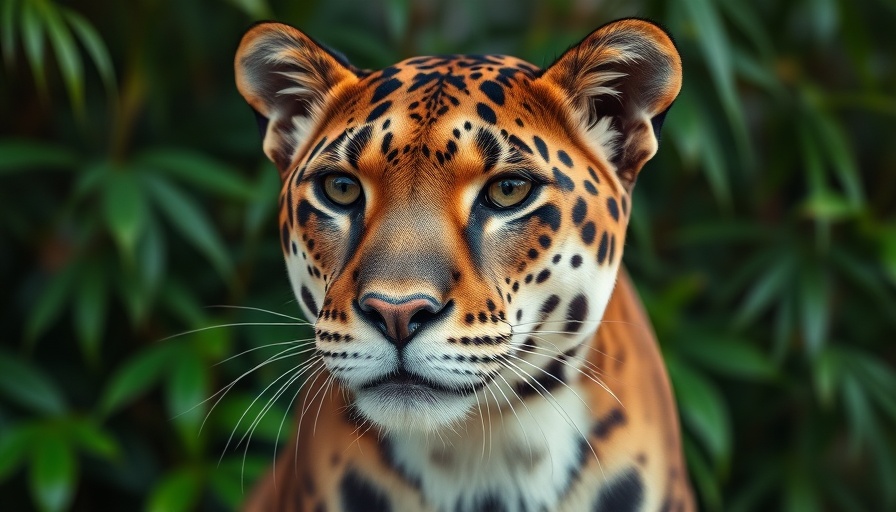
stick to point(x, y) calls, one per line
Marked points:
point(526, 376)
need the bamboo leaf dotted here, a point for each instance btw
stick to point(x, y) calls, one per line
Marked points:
point(136, 376)
point(53, 473)
point(27, 385)
point(125, 209)
point(95, 47)
point(67, 56)
point(186, 217)
point(22, 155)
point(50, 303)
point(197, 169)
point(90, 312)
point(9, 30)
point(178, 491)
point(33, 43)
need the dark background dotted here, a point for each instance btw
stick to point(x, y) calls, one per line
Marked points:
point(134, 200)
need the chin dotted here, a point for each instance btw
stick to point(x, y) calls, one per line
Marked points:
point(412, 407)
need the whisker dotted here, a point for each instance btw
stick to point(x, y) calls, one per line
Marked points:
point(299, 342)
point(236, 324)
point(262, 310)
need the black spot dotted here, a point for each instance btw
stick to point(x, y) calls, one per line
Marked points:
point(576, 261)
point(470, 318)
point(308, 299)
point(359, 495)
point(519, 144)
point(544, 241)
point(490, 304)
point(588, 231)
point(489, 147)
point(590, 188)
point(563, 181)
point(378, 111)
point(384, 89)
point(613, 208)
point(519, 315)
point(493, 90)
point(542, 148)
point(624, 206)
point(532, 253)
point(284, 236)
point(612, 248)
point(607, 424)
point(576, 313)
point(387, 143)
point(550, 305)
point(567, 161)
point(602, 248)
point(625, 493)
point(519, 122)
point(543, 276)
point(593, 175)
point(486, 113)
point(295, 249)
point(579, 211)
point(556, 259)
point(468, 126)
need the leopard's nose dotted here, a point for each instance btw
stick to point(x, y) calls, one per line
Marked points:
point(399, 317)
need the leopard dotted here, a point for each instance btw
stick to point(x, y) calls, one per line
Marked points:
point(453, 228)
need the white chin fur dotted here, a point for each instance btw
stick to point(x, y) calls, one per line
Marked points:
point(411, 408)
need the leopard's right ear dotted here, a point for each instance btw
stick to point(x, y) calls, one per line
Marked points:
point(288, 79)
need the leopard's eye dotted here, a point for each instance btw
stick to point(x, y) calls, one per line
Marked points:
point(342, 189)
point(507, 192)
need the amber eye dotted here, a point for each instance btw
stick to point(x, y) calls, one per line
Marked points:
point(507, 192)
point(342, 189)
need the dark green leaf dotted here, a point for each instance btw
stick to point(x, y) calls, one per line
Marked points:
point(703, 410)
point(814, 300)
point(28, 386)
point(125, 209)
point(93, 439)
point(136, 376)
point(33, 42)
point(15, 442)
point(185, 216)
point(178, 491)
point(8, 30)
point(197, 169)
point(22, 155)
point(187, 387)
point(95, 47)
point(67, 56)
point(90, 311)
point(729, 357)
point(53, 472)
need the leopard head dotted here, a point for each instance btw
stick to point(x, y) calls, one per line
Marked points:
point(453, 225)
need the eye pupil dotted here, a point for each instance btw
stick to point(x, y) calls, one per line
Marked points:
point(341, 189)
point(508, 192)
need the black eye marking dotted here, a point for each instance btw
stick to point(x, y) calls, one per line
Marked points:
point(489, 148)
point(522, 146)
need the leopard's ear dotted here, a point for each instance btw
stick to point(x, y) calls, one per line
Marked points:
point(618, 84)
point(288, 79)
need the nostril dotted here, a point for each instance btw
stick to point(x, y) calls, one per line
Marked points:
point(399, 318)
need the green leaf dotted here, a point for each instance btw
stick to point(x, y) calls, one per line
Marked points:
point(33, 42)
point(50, 303)
point(703, 410)
point(67, 56)
point(768, 285)
point(125, 209)
point(186, 217)
point(826, 376)
point(178, 491)
point(8, 30)
point(95, 47)
point(255, 9)
point(728, 357)
point(267, 190)
point(53, 472)
point(15, 443)
point(814, 300)
point(93, 439)
point(90, 311)
point(28, 386)
point(197, 169)
point(22, 155)
point(136, 376)
point(187, 387)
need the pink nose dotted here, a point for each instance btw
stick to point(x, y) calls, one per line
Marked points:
point(398, 319)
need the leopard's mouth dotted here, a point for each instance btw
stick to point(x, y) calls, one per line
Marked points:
point(404, 383)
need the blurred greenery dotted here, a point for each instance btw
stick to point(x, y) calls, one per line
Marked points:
point(135, 203)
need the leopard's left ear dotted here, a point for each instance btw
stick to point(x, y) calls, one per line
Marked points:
point(288, 79)
point(618, 84)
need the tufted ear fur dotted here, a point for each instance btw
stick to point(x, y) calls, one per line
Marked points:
point(618, 83)
point(288, 79)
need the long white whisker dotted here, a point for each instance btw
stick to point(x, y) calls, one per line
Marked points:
point(262, 310)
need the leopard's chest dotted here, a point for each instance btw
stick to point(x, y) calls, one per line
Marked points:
point(514, 460)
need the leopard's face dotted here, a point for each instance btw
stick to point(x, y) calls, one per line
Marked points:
point(452, 225)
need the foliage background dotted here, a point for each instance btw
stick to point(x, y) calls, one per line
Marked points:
point(134, 197)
